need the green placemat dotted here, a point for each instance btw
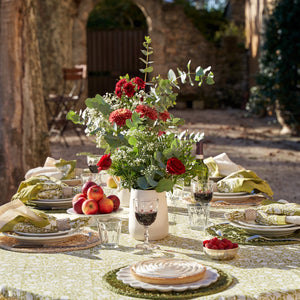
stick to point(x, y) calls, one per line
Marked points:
point(238, 235)
point(118, 287)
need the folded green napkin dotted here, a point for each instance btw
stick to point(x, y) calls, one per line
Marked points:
point(221, 165)
point(39, 187)
point(243, 181)
point(16, 216)
point(271, 214)
point(67, 168)
point(15, 212)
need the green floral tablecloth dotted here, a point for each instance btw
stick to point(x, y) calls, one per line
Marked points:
point(258, 272)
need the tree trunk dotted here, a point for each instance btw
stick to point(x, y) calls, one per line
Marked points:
point(24, 141)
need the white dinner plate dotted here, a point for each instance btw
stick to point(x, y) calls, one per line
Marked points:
point(72, 212)
point(211, 275)
point(233, 199)
point(256, 225)
point(51, 205)
point(62, 200)
point(44, 234)
point(219, 194)
point(40, 239)
point(268, 232)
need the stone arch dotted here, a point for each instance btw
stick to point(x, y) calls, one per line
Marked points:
point(79, 37)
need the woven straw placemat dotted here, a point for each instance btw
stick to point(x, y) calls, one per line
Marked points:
point(118, 287)
point(83, 240)
point(238, 235)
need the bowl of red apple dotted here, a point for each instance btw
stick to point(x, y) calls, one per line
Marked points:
point(220, 249)
point(93, 201)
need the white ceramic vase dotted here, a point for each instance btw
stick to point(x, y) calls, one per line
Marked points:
point(160, 228)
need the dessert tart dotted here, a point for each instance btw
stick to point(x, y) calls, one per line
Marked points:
point(168, 271)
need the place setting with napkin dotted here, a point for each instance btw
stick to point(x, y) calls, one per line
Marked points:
point(51, 186)
point(270, 223)
point(235, 185)
point(26, 229)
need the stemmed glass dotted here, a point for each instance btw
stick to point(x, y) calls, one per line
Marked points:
point(92, 161)
point(145, 213)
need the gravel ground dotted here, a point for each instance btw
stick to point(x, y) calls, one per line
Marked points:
point(254, 143)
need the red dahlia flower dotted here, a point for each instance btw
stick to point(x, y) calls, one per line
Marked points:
point(120, 116)
point(146, 111)
point(104, 163)
point(139, 82)
point(128, 88)
point(164, 115)
point(121, 82)
point(175, 166)
point(119, 87)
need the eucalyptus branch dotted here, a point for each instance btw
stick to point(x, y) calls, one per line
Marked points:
point(147, 53)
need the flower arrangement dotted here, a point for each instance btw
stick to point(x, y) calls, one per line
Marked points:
point(140, 136)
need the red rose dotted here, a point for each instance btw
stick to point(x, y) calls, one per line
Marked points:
point(146, 111)
point(129, 89)
point(164, 115)
point(104, 163)
point(139, 82)
point(120, 116)
point(175, 166)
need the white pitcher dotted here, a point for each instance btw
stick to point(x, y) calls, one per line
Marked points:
point(160, 228)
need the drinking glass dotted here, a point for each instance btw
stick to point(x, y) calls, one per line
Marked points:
point(145, 213)
point(109, 232)
point(202, 192)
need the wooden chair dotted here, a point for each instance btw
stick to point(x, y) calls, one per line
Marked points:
point(59, 105)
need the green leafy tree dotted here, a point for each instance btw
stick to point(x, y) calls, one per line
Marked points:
point(111, 14)
point(278, 79)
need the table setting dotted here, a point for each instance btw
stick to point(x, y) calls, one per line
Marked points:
point(184, 231)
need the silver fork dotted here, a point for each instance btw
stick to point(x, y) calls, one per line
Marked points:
point(270, 239)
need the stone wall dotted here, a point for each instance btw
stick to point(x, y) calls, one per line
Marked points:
point(62, 32)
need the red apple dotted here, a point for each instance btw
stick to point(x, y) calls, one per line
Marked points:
point(86, 186)
point(90, 207)
point(115, 200)
point(77, 205)
point(95, 192)
point(77, 196)
point(106, 206)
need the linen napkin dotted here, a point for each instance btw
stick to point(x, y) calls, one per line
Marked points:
point(40, 187)
point(221, 165)
point(15, 215)
point(243, 181)
point(59, 169)
point(270, 214)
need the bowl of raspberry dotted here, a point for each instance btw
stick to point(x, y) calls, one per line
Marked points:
point(220, 249)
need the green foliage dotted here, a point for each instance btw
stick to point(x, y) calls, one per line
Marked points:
point(111, 14)
point(278, 78)
point(141, 146)
point(207, 22)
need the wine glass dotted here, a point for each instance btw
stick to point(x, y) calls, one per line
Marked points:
point(202, 192)
point(145, 213)
point(92, 161)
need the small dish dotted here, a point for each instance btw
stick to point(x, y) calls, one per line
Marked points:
point(221, 254)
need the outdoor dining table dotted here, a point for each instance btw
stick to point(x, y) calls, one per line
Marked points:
point(257, 272)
